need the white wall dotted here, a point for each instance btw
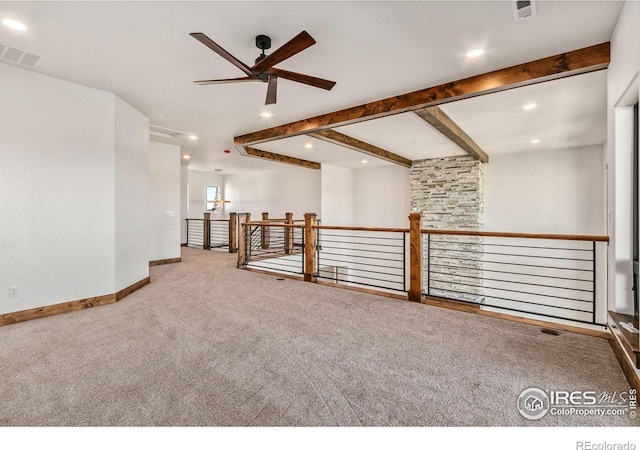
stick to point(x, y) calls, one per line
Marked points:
point(277, 191)
point(381, 197)
point(164, 201)
point(198, 181)
point(361, 197)
point(58, 178)
point(622, 91)
point(336, 196)
point(555, 191)
point(131, 191)
point(184, 199)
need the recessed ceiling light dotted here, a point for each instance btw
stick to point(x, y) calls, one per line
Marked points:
point(364, 161)
point(475, 53)
point(266, 114)
point(529, 106)
point(14, 24)
point(308, 145)
point(535, 141)
point(186, 157)
point(193, 137)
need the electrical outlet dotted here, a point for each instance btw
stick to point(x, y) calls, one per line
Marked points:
point(13, 291)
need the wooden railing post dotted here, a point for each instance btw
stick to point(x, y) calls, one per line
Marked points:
point(309, 247)
point(415, 257)
point(288, 234)
point(206, 239)
point(233, 232)
point(242, 219)
point(264, 235)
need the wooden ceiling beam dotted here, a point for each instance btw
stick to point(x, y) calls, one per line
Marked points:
point(364, 147)
point(437, 118)
point(575, 62)
point(254, 152)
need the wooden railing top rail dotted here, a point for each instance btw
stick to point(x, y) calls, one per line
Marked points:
point(273, 224)
point(563, 237)
point(195, 219)
point(219, 220)
point(391, 230)
point(327, 227)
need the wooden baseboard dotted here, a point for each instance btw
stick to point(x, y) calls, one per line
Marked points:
point(184, 244)
point(132, 288)
point(159, 262)
point(456, 306)
point(627, 367)
point(328, 283)
point(266, 272)
point(476, 309)
point(364, 290)
point(75, 305)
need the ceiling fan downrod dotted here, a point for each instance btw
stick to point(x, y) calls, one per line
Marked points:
point(263, 43)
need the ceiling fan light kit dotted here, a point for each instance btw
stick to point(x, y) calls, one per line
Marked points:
point(263, 69)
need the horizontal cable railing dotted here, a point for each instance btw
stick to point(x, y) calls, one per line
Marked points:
point(553, 276)
point(213, 234)
point(274, 246)
point(544, 276)
point(373, 258)
point(195, 233)
point(219, 234)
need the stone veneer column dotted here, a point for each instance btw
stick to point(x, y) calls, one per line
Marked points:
point(448, 192)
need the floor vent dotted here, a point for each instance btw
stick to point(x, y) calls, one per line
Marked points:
point(550, 332)
point(16, 56)
point(523, 9)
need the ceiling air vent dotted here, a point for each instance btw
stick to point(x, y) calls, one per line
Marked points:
point(157, 130)
point(16, 56)
point(13, 54)
point(523, 9)
point(29, 59)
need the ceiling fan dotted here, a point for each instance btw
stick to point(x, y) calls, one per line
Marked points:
point(263, 69)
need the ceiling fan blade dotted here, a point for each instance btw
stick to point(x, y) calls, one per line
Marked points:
point(228, 80)
point(302, 78)
point(272, 90)
point(295, 45)
point(222, 52)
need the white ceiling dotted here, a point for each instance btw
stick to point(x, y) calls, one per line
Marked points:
point(571, 112)
point(142, 52)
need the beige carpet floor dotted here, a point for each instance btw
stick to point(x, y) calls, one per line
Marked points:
point(206, 344)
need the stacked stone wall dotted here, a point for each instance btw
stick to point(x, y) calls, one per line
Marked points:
point(448, 192)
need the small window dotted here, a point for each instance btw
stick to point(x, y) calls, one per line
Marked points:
point(211, 198)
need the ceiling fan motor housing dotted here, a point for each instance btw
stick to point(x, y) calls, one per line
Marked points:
point(263, 42)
